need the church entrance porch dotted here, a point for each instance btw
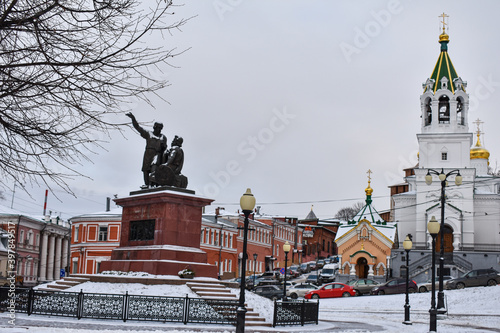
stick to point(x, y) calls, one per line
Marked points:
point(362, 268)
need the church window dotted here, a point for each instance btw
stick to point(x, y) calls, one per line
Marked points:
point(444, 156)
point(444, 110)
point(428, 112)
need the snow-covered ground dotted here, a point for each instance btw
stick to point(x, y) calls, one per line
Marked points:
point(470, 310)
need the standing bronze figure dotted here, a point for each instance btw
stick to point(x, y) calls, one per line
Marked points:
point(156, 145)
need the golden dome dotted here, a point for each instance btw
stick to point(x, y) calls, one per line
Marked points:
point(368, 190)
point(444, 38)
point(478, 151)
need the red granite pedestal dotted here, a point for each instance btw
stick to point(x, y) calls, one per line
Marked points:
point(160, 234)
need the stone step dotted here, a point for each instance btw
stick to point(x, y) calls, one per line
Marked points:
point(254, 319)
point(68, 283)
point(214, 293)
point(218, 291)
point(76, 279)
point(204, 285)
point(57, 286)
point(208, 289)
point(47, 289)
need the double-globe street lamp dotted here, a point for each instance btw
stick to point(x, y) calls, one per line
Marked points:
point(433, 228)
point(247, 204)
point(407, 245)
point(286, 249)
point(458, 181)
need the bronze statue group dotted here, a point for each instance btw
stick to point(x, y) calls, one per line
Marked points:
point(161, 166)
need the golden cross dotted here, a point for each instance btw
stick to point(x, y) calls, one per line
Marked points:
point(443, 21)
point(478, 122)
point(369, 172)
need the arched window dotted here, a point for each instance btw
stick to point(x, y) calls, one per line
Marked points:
point(428, 112)
point(460, 113)
point(444, 110)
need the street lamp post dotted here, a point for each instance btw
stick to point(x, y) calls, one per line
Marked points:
point(254, 267)
point(433, 228)
point(458, 181)
point(407, 245)
point(286, 249)
point(247, 203)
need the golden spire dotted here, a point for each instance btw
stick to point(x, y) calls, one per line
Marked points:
point(444, 36)
point(369, 190)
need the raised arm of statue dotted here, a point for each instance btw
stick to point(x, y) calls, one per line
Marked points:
point(136, 125)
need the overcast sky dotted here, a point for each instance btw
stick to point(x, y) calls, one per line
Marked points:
point(297, 100)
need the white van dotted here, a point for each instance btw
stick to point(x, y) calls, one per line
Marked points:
point(328, 273)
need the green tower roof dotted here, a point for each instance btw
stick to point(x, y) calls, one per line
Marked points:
point(444, 67)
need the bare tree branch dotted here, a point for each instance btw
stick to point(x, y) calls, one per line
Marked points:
point(65, 66)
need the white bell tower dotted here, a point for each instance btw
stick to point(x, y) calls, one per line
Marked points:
point(444, 140)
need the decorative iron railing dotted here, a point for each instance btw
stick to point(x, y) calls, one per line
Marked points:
point(119, 307)
point(295, 312)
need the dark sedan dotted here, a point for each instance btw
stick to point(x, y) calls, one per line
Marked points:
point(396, 286)
point(271, 292)
point(474, 278)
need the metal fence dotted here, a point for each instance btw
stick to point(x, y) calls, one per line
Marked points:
point(295, 312)
point(119, 307)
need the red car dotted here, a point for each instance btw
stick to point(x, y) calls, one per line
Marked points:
point(331, 290)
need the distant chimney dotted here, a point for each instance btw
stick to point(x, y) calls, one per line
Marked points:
point(257, 210)
point(108, 203)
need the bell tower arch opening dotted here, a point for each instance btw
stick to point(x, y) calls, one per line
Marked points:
point(444, 109)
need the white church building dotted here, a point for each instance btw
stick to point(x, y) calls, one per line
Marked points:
point(471, 210)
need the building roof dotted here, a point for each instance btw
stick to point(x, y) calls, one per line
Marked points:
point(311, 216)
point(444, 68)
point(6, 211)
point(368, 214)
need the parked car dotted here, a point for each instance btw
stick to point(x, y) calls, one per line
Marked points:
point(313, 278)
point(395, 286)
point(289, 274)
point(363, 286)
point(424, 287)
point(248, 282)
point(304, 268)
point(300, 290)
point(476, 277)
point(320, 263)
point(295, 271)
point(269, 275)
point(328, 273)
point(267, 282)
point(312, 265)
point(331, 290)
point(271, 292)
